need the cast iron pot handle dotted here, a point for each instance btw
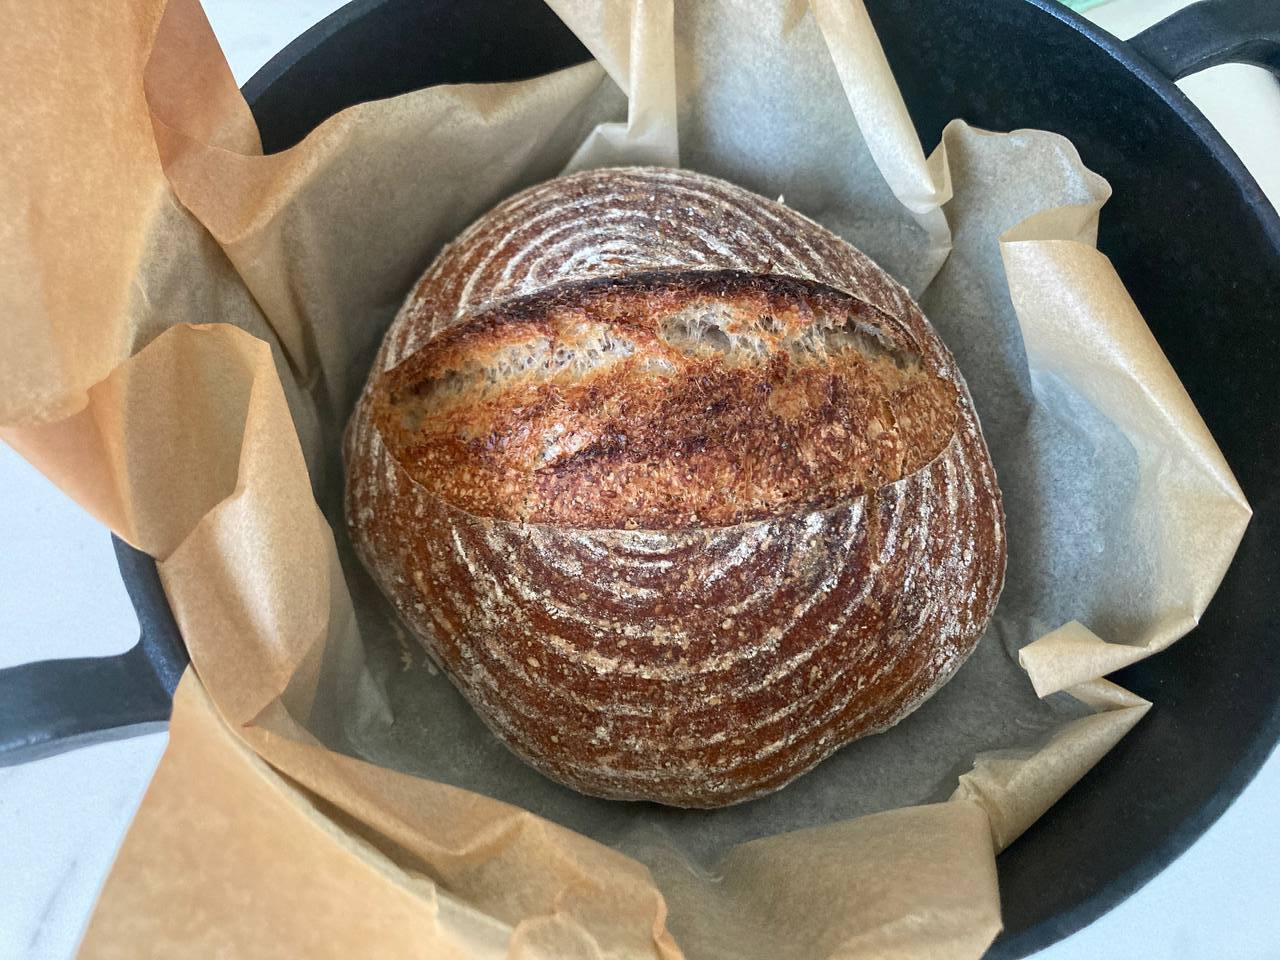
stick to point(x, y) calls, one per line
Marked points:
point(56, 705)
point(1212, 32)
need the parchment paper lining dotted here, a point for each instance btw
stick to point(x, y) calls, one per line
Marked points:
point(324, 787)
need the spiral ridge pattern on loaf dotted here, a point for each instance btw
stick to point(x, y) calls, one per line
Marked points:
point(619, 221)
point(697, 666)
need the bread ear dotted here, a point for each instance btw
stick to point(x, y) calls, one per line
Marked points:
point(665, 400)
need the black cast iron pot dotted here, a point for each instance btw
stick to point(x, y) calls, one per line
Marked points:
point(1191, 235)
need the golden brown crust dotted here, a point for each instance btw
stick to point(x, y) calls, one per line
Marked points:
point(665, 400)
point(698, 664)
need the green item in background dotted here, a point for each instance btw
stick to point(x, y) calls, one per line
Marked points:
point(1080, 6)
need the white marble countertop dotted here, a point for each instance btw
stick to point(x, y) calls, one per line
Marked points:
point(61, 595)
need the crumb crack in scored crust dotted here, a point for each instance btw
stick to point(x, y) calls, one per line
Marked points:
point(665, 400)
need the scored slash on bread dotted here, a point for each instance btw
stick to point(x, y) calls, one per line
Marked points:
point(682, 490)
point(665, 400)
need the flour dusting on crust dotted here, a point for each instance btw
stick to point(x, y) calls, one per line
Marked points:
point(702, 663)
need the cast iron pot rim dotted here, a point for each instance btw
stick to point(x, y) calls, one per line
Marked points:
point(1263, 740)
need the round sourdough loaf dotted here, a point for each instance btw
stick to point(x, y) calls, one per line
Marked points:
point(682, 490)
